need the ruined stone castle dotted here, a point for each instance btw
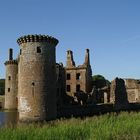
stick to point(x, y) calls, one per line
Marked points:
point(36, 84)
point(38, 87)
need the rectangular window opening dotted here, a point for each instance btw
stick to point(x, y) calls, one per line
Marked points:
point(77, 88)
point(9, 78)
point(20, 51)
point(78, 76)
point(68, 76)
point(38, 49)
point(8, 89)
point(68, 88)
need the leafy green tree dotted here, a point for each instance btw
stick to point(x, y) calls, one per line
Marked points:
point(99, 81)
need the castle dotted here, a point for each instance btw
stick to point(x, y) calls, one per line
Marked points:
point(38, 87)
point(36, 84)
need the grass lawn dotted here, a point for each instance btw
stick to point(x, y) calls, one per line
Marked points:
point(122, 126)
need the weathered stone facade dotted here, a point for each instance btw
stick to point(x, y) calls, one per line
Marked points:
point(60, 84)
point(118, 94)
point(133, 90)
point(37, 78)
point(11, 88)
point(78, 79)
point(125, 90)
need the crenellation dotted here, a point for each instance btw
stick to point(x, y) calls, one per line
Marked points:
point(11, 62)
point(37, 38)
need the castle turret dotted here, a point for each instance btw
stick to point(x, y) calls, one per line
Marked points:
point(87, 58)
point(37, 78)
point(70, 60)
point(11, 82)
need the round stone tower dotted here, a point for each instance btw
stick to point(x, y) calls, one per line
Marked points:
point(11, 85)
point(37, 78)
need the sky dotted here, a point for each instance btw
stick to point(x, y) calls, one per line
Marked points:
point(109, 28)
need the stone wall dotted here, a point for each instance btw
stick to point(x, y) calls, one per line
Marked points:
point(131, 87)
point(133, 90)
point(78, 79)
point(60, 84)
point(118, 94)
point(37, 78)
point(73, 82)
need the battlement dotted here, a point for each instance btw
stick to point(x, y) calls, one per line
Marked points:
point(37, 38)
point(11, 62)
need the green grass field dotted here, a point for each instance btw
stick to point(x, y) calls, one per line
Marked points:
point(123, 126)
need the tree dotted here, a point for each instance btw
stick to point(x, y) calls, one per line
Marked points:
point(99, 81)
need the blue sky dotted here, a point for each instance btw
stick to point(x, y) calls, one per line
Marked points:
point(109, 28)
